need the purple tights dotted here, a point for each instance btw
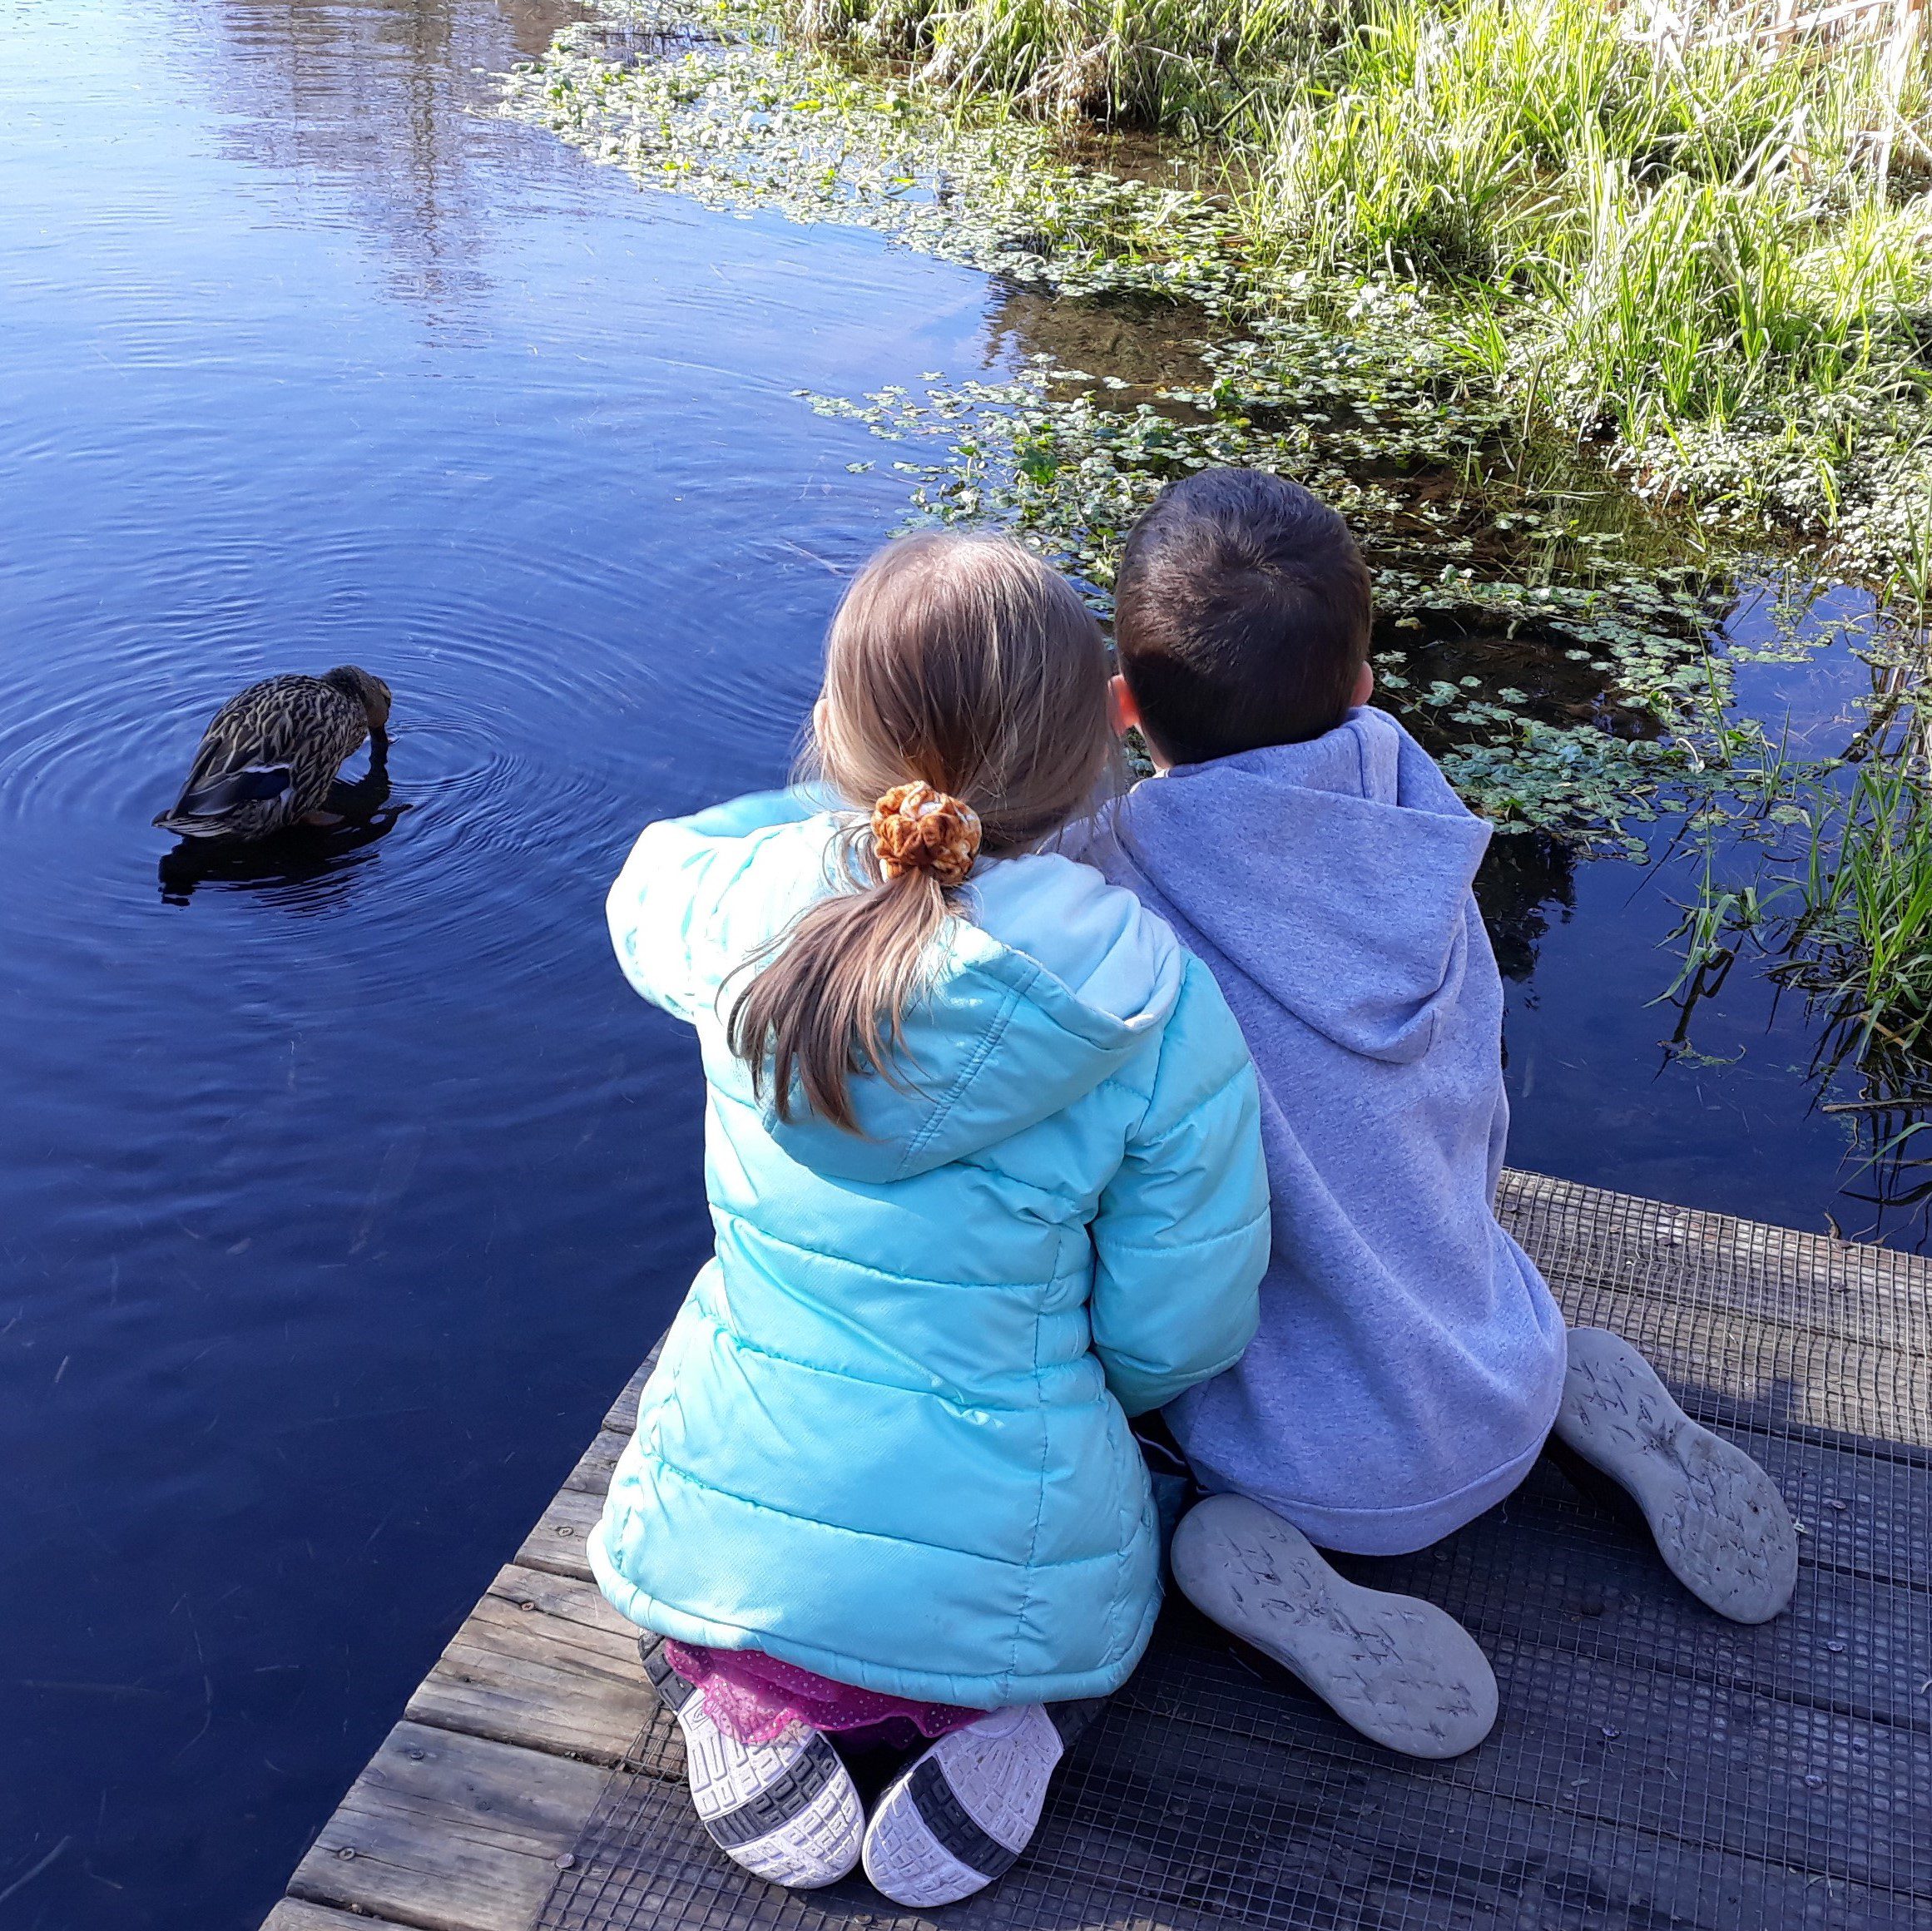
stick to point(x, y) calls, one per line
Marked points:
point(757, 1699)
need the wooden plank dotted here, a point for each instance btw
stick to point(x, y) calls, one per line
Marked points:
point(1627, 1748)
point(622, 1416)
point(1770, 1373)
point(591, 1476)
point(1158, 1825)
point(1672, 1767)
point(449, 1832)
point(1284, 1835)
point(1858, 1512)
point(1545, 1572)
point(1792, 1328)
point(295, 1914)
point(544, 1661)
point(556, 1543)
point(1717, 1264)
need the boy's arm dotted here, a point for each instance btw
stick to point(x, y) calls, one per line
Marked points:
point(665, 895)
point(1180, 1242)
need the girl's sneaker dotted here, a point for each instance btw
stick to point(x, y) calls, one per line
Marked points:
point(960, 1813)
point(1400, 1670)
point(1719, 1524)
point(787, 1811)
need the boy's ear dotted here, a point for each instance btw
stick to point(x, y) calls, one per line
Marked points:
point(1364, 687)
point(1121, 709)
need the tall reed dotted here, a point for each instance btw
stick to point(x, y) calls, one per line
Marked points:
point(1862, 948)
point(1654, 242)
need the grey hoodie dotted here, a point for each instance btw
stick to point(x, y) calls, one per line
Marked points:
point(1410, 1359)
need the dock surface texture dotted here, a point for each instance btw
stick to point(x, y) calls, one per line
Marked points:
point(1653, 1765)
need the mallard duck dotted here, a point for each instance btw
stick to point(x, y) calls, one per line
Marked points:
point(269, 756)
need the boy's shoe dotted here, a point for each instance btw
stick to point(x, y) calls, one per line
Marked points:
point(1719, 1522)
point(960, 1813)
point(1400, 1670)
point(788, 1811)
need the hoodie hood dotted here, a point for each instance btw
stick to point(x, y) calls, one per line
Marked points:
point(1354, 861)
point(1054, 984)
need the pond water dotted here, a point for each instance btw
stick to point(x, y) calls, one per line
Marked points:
point(338, 1192)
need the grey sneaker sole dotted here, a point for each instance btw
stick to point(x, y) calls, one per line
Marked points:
point(1719, 1524)
point(1399, 1670)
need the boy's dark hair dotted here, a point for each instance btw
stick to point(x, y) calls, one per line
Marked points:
point(1240, 615)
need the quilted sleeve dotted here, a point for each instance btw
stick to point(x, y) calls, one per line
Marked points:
point(661, 908)
point(757, 810)
point(1180, 1242)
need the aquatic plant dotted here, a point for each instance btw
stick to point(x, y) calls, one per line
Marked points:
point(1563, 678)
point(1439, 410)
point(1860, 948)
point(1715, 258)
point(719, 108)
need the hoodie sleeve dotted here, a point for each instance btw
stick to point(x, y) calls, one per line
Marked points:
point(662, 909)
point(1180, 1242)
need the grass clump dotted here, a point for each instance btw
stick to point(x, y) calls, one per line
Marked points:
point(1191, 67)
point(1712, 262)
point(1861, 946)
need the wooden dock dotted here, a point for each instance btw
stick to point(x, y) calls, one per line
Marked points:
point(1654, 1766)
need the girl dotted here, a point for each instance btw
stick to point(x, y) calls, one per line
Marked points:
point(983, 1157)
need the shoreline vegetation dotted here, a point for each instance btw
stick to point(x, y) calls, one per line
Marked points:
point(1700, 256)
point(1576, 312)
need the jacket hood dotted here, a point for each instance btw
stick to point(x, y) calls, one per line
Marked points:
point(1333, 874)
point(1055, 982)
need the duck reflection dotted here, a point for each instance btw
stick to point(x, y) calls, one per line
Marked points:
point(304, 855)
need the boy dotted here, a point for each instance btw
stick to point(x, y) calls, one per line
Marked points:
point(1410, 1363)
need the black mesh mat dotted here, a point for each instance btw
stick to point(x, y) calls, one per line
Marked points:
point(1653, 1765)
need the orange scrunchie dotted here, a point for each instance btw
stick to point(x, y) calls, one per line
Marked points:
point(916, 828)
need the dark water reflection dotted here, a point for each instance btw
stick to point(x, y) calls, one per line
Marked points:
point(379, 96)
point(340, 1184)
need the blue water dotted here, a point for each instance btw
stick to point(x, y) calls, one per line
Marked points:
point(339, 1193)
point(334, 1207)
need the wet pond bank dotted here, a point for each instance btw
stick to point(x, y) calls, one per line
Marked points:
point(335, 1197)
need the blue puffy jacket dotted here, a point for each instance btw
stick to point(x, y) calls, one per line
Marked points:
point(887, 1438)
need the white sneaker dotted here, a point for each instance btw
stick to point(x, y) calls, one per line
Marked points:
point(787, 1811)
point(1720, 1523)
point(960, 1813)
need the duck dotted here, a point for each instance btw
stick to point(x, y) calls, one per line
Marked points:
point(271, 753)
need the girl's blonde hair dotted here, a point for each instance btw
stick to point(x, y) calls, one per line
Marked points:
point(960, 661)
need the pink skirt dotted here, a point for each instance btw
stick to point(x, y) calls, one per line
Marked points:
point(757, 1699)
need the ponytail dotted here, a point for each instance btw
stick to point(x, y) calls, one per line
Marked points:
point(830, 1002)
point(966, 691)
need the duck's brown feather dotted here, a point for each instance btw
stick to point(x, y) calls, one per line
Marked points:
point(294, 722)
